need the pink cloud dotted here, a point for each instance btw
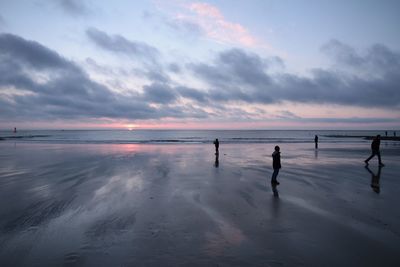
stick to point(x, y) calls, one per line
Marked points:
point(215, 25)
point(206, 10)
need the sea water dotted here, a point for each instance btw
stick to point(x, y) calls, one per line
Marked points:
point(185, 136)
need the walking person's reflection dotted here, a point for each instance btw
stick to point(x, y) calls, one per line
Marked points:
point(275, 191)
point(375, 179)
point(216, 164)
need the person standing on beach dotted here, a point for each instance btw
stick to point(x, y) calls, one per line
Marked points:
point(316, 141)
point(375, 150)
point(276, 165)
point(216, 143)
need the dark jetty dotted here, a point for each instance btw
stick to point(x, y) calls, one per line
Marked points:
point(366, 137)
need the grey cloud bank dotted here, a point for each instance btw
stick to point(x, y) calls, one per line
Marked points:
point(66, 91)
point(240, 76)
point(39, 84)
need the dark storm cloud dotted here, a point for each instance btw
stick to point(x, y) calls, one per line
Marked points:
point(74, 7)
point(239, 76)
point(51, 87)
point(119, 44)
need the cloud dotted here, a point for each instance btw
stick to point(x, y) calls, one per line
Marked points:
point(192, 94)
point(119, 44)
point(243, 77)
point(377, 60)
point(31, 53)
point(185, 26)
point(206, 19)
point(2, 21)
point(38, 84)
point(74, 7)
point(159, 93)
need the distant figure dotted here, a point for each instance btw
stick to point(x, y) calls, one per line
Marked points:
point(15, 129)
point(276, 164)
point(216, 164)
point(216, 143)
point(375, 179)
point(386, 133)
point(375, 150)
point(316, 141)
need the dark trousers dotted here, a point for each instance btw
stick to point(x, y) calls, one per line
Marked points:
point(378, 153)
point(274, 175)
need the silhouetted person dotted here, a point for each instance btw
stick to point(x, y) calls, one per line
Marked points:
point(276, 165)
point(316, 141)
point(216, 143)
point(375, 179)
point(15, 129)
point(216, 164)
point(375, 150)
point(385, 133)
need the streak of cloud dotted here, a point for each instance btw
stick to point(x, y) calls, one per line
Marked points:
point(74, 7)
point(119, 44)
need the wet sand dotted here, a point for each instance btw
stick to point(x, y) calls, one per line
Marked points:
point(172, 205)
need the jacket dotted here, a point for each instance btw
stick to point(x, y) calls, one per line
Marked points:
point(276, 160)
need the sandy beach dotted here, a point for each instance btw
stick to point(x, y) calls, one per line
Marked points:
point(174, 205)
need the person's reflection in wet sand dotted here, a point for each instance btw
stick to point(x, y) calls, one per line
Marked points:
point(275, 191)
point(316, 153)
point(375, 179)
point(216, 164)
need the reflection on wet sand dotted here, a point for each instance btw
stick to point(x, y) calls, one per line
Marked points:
point(216, 163)
point(275, 190)
point(375, 179)
point(143, 205)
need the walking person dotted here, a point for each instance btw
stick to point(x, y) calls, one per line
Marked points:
point(316, 141)
point(216, 143)
point(375, 150)
point(276, 165)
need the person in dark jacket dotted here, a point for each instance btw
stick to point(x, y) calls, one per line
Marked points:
point(316, 141)
point(216, 143)
point(375, 150)
point(276, 165)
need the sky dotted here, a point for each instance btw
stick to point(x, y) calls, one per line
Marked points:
point(179, 64)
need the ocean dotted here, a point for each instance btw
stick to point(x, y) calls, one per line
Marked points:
point(185, 136)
